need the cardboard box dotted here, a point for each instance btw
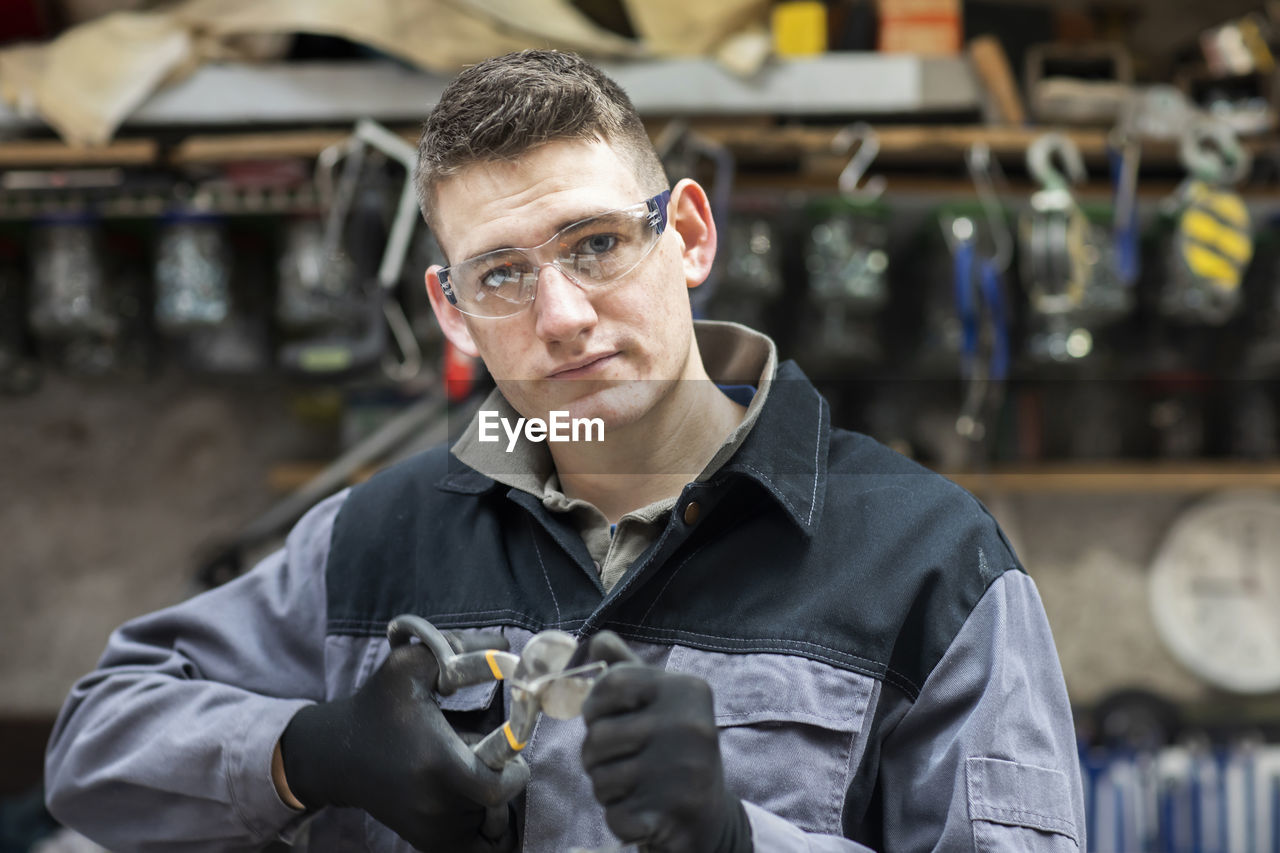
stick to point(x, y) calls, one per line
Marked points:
point(923, 27)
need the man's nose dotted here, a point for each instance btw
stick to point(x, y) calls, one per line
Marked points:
point(562, 308)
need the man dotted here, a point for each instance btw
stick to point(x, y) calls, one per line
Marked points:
point(813, 643)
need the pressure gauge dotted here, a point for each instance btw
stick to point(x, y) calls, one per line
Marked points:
point(1215, 591)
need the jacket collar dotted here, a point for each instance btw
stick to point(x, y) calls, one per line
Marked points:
point(786, 451)
point(462, 479)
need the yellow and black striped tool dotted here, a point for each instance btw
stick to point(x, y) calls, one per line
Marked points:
point(1213, 235)
point(1214, 244)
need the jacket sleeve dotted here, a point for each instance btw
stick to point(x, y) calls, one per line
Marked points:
point(986, 757)
point(167, 745)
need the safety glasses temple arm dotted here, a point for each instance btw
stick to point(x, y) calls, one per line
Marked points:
point(658, 210)
point(446, 287)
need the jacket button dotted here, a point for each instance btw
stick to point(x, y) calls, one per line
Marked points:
point(691, 512)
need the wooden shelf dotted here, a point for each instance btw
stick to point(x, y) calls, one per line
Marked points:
point(1064, 478)
point(45, 153)
point(908, 141)
point(754, 141)
point(285, 144)
point(1122, 478)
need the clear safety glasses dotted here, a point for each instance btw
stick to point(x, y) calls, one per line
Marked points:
point(589, 252)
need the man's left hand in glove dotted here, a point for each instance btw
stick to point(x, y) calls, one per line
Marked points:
point(653, 754)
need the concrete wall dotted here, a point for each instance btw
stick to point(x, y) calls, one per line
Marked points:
point(108, 493)
point(1090, 555)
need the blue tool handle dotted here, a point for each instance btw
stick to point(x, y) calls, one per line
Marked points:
point(993, 296)
point(962, 266)
point(1125, 227)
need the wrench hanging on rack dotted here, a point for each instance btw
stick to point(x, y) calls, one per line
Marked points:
point(980, 300)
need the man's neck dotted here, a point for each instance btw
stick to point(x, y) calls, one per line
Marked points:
point(655, 457)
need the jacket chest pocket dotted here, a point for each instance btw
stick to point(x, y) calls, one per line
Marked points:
point(790, 730)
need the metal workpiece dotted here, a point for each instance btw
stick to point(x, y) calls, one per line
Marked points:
point(538, 677)
point(541, 683)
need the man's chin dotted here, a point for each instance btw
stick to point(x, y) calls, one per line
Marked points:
point(618, 404)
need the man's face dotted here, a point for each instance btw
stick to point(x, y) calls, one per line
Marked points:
point(613, 350)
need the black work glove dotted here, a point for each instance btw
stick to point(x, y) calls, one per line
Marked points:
point(389, 750)
point(653, 755)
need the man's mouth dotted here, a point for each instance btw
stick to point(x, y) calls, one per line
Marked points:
point(583, 367)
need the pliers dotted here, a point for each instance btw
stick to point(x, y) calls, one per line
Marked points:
point(539, 680)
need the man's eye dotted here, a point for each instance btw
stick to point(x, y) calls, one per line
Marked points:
point(598, 244)
point(499, 276)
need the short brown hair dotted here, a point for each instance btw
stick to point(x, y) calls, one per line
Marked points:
point(506, 106)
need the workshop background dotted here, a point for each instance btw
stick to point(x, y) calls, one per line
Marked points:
point(1031, 244)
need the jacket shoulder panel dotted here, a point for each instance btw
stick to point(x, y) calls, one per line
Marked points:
point(895, 563)
point(430, 536)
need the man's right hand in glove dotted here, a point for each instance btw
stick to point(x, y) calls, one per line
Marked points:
point(389, 750)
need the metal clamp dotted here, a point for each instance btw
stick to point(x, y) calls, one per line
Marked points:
point(1055, 233)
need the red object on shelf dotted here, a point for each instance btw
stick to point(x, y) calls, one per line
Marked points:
point(459, 373)
point(923, 27)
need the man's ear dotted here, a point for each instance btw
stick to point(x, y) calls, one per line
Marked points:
point(690, 216)
point(450, 318)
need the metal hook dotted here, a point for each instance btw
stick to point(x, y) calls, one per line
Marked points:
point(407, 367)
point(862, 135)
point(672, 134)
point(1210, 151)
point(409, 364)
point(327, 162)
point(351, 153)
point(1040, 156)
point(983, 169)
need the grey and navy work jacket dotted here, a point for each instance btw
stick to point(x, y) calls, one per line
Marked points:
point(883, 672)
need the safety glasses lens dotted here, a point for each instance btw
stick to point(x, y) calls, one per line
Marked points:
point(591, 252)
